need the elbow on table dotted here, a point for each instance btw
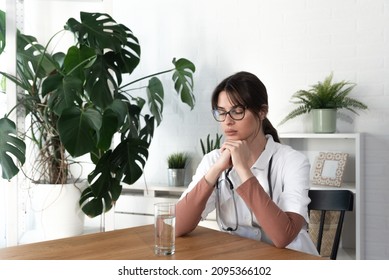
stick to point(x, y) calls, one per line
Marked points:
point(181, 232)
point(281, 244)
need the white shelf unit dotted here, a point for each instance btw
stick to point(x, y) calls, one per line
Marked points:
point(135, 207)
point(352, 244)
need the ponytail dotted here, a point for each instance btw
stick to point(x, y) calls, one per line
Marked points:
point(269, 129)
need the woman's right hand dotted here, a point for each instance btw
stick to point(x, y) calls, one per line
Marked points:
point(223, 162)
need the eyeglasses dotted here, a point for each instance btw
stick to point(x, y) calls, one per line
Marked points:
point(236, 113)
point(218, 217)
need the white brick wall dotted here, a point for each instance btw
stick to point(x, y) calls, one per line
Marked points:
point(289, 44)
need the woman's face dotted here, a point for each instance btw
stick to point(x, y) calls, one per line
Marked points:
point(244, 129)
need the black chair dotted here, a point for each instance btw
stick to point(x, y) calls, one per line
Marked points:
point(330, 200)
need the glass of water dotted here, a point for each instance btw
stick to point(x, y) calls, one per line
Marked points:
point(164, 228)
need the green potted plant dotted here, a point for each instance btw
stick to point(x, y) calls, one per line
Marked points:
point(324, 99)
point(210, 144)
point(78, 104)
point(177, 163)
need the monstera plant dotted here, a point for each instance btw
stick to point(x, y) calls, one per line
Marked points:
point(78, 104)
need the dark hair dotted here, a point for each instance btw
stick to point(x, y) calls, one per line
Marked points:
point(244, 88)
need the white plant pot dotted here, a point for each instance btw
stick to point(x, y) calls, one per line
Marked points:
point(57, 210)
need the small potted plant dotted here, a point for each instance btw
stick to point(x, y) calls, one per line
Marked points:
point(177, 163)
point(324, 99)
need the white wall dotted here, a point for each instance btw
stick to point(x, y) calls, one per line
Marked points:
point(289, 44)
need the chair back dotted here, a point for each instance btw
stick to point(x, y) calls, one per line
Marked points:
point(330, 200)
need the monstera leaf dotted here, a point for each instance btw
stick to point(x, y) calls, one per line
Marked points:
point(128, 159)
point(118, 52)
point(79, 130)
point(183, 80)
point(10, 145)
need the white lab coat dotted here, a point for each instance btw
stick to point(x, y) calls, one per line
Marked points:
point(290, 184)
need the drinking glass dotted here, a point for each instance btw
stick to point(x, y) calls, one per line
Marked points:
point(164, 228)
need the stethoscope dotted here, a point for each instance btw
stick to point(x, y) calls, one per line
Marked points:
point(227, 172)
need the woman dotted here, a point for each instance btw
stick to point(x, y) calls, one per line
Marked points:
point(258, 187)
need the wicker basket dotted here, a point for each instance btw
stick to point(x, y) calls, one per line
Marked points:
point(330, 224)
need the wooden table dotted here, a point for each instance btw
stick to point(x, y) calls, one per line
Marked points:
point(137, 244)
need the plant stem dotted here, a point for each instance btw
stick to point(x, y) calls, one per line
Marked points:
point(146, 77)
